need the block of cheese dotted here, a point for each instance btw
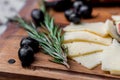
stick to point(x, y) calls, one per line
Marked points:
point(98, 28)
point(89, 61)
point(116, 17)
point(118, 27)
point(112, 30)
point(86, 37)
point(111, 58)
point(82, 48)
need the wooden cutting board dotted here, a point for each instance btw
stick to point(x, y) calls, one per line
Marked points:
point(42, 68)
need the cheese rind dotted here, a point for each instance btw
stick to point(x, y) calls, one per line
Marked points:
point(86, 37)
point(89, 61)
point(98, 28)
point(82, 48)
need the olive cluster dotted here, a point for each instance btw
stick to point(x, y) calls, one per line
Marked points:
point(73, 10)
point(28, 47)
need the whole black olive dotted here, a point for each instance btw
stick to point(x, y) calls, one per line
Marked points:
point(49, 3)
point(77, 5)
point(85, 11)
point(67, 14)
point(59, 5)
point(30, 42)
point(72, 16)
point(26, 55)
point(83, 8)
point(37, 16)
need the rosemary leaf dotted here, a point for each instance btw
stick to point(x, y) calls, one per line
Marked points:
point(51, 42)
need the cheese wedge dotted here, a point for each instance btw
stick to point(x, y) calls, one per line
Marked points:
point(111, 58)
point(86, 37)
point(89, 61)
point(82, 48)
point(98, 28)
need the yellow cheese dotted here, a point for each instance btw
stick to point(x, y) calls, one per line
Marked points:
point(86, 37)
point(82, 48)
point(89, 61)
point(98, 28)
point(111, 58)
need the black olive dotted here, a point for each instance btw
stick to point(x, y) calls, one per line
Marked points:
point(83, 8)
point(59, 5)
point(49, 4)
point(67, 14)
point(85, 1)
point(72, 16)
point(26, 55)
point(77, 5)
point(37, 16)
point(30, 42)
point(85, 11)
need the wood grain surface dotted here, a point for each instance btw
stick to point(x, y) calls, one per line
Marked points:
point(42, 68)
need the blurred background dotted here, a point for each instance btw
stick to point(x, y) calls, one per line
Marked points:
point(10, 8)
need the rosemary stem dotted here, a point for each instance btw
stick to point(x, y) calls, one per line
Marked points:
point(51, 42)
point(66, 64)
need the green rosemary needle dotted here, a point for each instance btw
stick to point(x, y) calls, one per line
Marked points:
point(50, 41)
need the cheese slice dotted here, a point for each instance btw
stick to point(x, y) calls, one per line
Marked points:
point(82, 48)
point(89, 61)
point(86, 37)
point(98, 28)
point(111, 58)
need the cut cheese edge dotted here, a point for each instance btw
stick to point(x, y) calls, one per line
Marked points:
point(89, 61)
point(118, 27)
point(111, 58)
point(82, 48)
point(116, 18)
point(112, 30)
point(86, 37)
point(98, 28)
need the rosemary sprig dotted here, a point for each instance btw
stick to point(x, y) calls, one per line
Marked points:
point(51, 42)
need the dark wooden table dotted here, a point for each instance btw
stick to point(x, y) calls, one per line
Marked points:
point(42, 69)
